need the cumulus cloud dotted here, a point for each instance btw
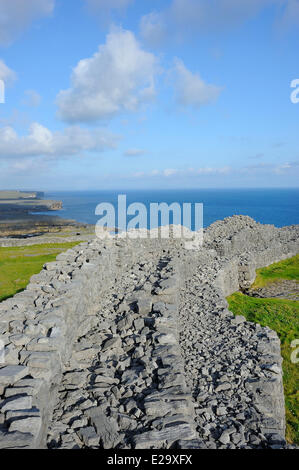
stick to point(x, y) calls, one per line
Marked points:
point(119, 77)
point(31, 98)
point(153, 29)
point(40, 141)
point(6, 74)
point(17, 15)
point(185, 17)
point(191, 89)
point(134, 153)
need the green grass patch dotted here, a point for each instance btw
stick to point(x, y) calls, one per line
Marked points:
point(286, 269)
point(281, 315)
point(18, 264)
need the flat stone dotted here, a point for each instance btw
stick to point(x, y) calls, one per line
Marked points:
point(144, 305)
point(15, 440)
point(239, 319)
point(126, 423)
point(192, 444)
point(139, 324)
point(223, 387)
point(20, 340)
point(129, 376)
point(276, 438)
point(154, 439)
point(41, 360)
point(221, 411)
point(106, 428)
point(224, 438)
point(88, 436)
point(160, 408)
point(113, 343)
point(168, 286)
point(106, 380)
point(27, 425)
point(166, 338)
point(20, 414)
point(85, 354)
point(77, 378)
point(11, 374)
point(21, 403)
point(274, 368)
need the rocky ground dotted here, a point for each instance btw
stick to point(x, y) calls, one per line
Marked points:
point(125, 385)
point(224, 368)
point(162, 370)
point(283, 289)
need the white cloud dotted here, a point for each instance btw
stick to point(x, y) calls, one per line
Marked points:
point(215, 13)
point(153, 29)
point(6, 74)
point(119, 77)
point(108, 4)
point(170, 172)
point(40, 141)
point(134, 153)
point(191, 17)
point(201, 173)
point(191, 90)
point(32, 98)
point(271, 168)
point(183, 173)
point(17, 15)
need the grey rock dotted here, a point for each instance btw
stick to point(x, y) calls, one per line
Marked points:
point(27, 425)
point(89, 436)
point(11, 374)
point(16, 440)
point(113, 343)
point(224, 438)
point(20, 403)
point(106, 428)
point(154, 439)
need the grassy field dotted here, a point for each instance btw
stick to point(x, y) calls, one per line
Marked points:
point(283, 317)
point(18, 264)
point(287, 269)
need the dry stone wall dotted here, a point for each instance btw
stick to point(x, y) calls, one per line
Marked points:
point(105, 347)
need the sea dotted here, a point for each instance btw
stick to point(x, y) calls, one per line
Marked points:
point(279, 207)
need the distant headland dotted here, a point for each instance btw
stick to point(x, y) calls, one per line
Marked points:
point(20, 215)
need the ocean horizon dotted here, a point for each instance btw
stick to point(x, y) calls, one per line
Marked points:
point(268, 206)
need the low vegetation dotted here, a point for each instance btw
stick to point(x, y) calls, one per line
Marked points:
point(18, 264)
point(287, 269)
point(282, 316)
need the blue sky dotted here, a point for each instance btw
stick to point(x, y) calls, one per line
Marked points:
point(148, 94)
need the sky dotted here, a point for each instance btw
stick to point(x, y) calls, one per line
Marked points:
point(133, 94)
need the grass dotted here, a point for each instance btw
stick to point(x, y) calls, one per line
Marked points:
point(281, 315)
point(287, 269)
point(18, 264)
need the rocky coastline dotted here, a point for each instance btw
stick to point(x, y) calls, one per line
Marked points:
point(20, 216)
